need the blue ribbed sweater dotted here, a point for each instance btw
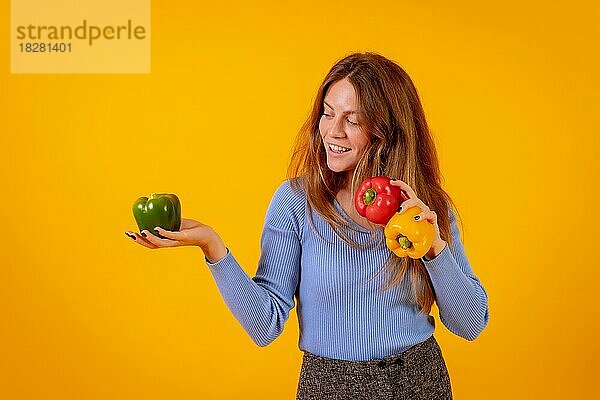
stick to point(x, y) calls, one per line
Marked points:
point(342, 311)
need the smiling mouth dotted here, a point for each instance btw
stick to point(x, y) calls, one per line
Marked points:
point(338, 149)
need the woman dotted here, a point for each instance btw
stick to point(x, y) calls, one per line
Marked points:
point(364, 335)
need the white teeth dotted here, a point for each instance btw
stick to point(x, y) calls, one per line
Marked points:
point(338, 149)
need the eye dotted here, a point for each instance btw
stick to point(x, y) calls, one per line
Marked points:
point(326, 115)
point(353, 123)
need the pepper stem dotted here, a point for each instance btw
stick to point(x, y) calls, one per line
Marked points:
point(369, 196)
point(404, 242)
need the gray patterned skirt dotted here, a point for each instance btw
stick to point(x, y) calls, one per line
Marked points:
point(418, 373)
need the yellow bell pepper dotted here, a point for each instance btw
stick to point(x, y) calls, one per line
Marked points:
point(407, 237)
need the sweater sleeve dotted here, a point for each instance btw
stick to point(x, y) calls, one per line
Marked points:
point(461, 298)
point(262, 304)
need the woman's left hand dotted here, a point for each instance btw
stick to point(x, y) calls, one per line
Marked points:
point(427, 214)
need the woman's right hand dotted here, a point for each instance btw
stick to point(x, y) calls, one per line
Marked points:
point(191, 233)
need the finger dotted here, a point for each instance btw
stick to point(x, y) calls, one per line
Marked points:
point(429, 216)
point(174, 235)
point(140, 240)
point(412, 203)
point(404, 186)
point(432, 217)
point(155, 240)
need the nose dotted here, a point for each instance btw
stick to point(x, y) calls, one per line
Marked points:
point(336, 128)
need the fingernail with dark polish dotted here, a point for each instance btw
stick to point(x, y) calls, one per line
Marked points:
point(143, 234)
point(417, 217)
point(400, 210)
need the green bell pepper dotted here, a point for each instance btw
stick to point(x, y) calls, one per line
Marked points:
point(160, 209)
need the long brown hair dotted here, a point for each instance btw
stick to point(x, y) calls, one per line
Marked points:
point(400, 146)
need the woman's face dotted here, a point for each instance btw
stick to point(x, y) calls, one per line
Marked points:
point(338, 126)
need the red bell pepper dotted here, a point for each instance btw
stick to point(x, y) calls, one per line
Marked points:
point(378, 200)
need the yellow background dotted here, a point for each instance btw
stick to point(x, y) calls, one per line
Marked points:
point(511, 93)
